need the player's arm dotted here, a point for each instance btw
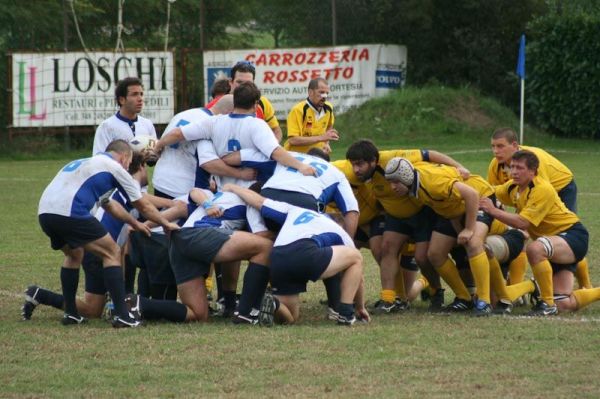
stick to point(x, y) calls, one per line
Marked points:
point(200, 198)
point(119, 212)
point(351, 222)
point(151, 213)
point(508, 218)
point(438, 157)
point(178, 210)
point(172, 137)
point(253, 199)
point(218, 167)
point(159, 202)
point(278, 133)
point(471, 198)
point(330, 134)
point(359, 302)
point(283, 157)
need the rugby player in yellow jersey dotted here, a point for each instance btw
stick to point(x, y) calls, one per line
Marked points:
point(405, 217)
point(504, 145)
point(455, 201)
point(371, 226)
point(310, 122)
point(560, 240)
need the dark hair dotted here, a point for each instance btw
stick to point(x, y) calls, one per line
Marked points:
point(362, 150)
point(120, 147)
point(505, 133)
point(243, 66)
point(137, 162)
point(531, 160)
point(319, 153)
point(314, 83)
point(245, 95)
point(123, 86)
point(219, 88)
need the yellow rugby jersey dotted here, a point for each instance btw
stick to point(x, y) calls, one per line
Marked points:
point(367, 203)
point(303, 120)
point(435, 187)
point(550, 169)
point(540, 205)
point(266, 112)
point(399, 207)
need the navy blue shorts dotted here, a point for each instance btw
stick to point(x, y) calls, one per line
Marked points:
point(418, 227)
point(293, 265)
point(192, 250)
point(408, 262)
point(577, 238)
point(568, 195)
point(152, 253)
point(515, 239)
point(376, 228)
point(74, 232)
point(444, 226)
point(94, 274)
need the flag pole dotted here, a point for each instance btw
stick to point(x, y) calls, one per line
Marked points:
point(522, 111)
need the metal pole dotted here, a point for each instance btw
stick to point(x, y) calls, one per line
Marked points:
point(67, 143)
point(333, 23)
point(522, 111)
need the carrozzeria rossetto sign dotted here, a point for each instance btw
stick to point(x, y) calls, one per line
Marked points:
point(77, 88)
point(354, 73)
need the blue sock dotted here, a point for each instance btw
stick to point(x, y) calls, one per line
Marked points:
point(256, 279)
point(346, 309)
point(113, 281)
point(69, 279)
point(154, 309)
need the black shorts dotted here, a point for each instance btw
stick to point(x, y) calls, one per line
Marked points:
point(577, 238)
point(568, 195)
point(94, 274)
point(418, 226)
point(293, 265)
point(444, 226)
point(408, 262)
point(515, 240)
point(192, 250)
point(376, 228)
point(152, 253)
point(74, 232)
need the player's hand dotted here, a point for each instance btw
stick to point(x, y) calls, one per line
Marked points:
point(307, 170)
point(363, 315)
point(486, 204)
point(327, 148)
point(464, 236)
point(228, 187)
point(142, 227)
point(464, 172)
point(170, 226)
point(331, 134)
point(248, 174)
point(215, 211)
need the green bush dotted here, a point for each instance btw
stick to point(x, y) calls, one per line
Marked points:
point(563, 71)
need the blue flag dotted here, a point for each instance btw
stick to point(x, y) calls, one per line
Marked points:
point(521, 62)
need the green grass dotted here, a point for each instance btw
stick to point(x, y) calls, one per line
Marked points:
point(404, 355)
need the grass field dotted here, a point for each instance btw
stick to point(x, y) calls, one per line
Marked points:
point(414, 354)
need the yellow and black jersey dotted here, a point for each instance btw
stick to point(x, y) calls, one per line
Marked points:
point(367, 203)
point(304, 121)
point(550, 169)
point(540, 205)
point(265, 111)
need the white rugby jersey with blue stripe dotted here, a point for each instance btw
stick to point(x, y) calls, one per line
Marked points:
point(119, 127)
point(235, 215)
point(232, 132)
point(298, 223)
point(175, 171)
point(330, 185)
point(76, 189)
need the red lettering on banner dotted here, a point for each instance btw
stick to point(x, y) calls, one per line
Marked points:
point(274, 59)
point(261, 60)
point(268, 77)
point(364, 54)
point(333, 56)
point(348, 72)
point(300, 58)
point(250, 57)
point(311, 58)
point(287, 59)
point(345, 55)
point(322, 58)
point(285, 76)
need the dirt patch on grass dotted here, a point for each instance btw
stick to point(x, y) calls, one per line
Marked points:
point(468, 111)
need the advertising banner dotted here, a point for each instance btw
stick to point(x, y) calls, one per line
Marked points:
point(77, 88)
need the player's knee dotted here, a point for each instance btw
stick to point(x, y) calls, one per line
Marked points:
point(538, 250)
point(436, 258)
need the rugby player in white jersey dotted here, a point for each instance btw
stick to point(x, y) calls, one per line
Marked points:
point(211, 233)
point(309, 246)
point(66, 215)
point(240, 129)
point(126, 123)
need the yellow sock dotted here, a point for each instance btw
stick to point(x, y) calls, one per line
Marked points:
point(497, 279)
point(480, 268)
point(424, 283)
point(582, 274)
point(399, 285)
point(515, 291)
point(586, 296)
point(388, 296)
point(209, 284)
point(449, 273)
point(543, 275)
point(517, 268)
